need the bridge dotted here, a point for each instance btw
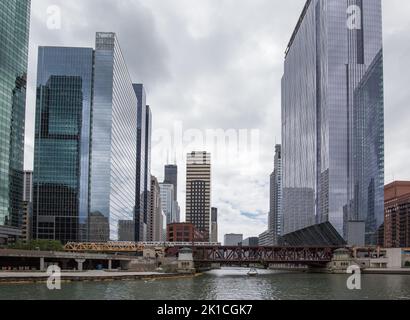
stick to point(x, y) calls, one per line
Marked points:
point(205, 253)
point(263, 255)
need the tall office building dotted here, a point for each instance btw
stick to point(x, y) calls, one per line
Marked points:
point(14, 36)
point(198, 192)
point(167, 201)
point(114, 136)
point(85, 144)
point(28, 186)
point(27, 213)
point(171, 177)
point(214, 225)
point(62, 143)
point(140, 205)
point(275, 211)
point(147, 191)
point(155, 223)
point(332, 89)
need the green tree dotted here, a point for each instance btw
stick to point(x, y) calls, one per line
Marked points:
point(41, 245)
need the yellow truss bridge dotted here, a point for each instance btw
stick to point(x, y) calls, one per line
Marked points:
point(109, 247)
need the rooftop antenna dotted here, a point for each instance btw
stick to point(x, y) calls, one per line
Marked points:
point(175, 158)
point(167, 156)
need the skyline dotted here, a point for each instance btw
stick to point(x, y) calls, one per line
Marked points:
point(251, 211)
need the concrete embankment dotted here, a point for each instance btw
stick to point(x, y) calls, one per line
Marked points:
point(36, 277)
point(398, 271)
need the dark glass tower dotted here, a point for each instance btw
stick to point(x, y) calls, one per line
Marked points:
point(62, 143)
point(14, 35)
point(85, 144)
point(171, 177)
point(275, 211)
point(332, 50)
point(141, 183)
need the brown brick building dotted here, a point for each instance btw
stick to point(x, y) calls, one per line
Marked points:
point(183, 232)
point(397, 215)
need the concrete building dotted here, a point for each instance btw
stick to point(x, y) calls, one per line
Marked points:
point(155, 217)
point(27, 206)
point(267, 239)
point(198, 191)
point(332, 120)
point(233, 239)
point(397, 215)
point(214, 225)
point(14, 36)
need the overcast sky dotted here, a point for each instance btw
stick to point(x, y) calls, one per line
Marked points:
point(217, 64)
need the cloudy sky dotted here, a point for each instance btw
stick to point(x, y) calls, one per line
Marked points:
point(217, 64)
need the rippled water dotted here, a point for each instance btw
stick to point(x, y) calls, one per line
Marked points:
point(226, 284)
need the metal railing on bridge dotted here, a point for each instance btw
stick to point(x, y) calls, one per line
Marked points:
point(122, 246)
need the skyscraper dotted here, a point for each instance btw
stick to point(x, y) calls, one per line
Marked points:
point(198, 192)
point(335, 47)
point(140, 205)
point(167, 201)
point(155, 223)
point(27, 206)
point(113, 147)
point(62, 143)
point(14, 36)
point(214, 225)
point(147, 187)
point(171, 177)
point(85, 144)
point(275, 211)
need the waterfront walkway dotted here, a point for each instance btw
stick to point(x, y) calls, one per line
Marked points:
point(95, 275)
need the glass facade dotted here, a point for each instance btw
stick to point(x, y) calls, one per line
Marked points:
point(171, 177)
point(14, 35)
point(62, 143)
point(329, 53)
point(275, 211)
point(113, 142)
point(142, 165)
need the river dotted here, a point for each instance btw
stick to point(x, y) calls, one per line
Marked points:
point(225, 284)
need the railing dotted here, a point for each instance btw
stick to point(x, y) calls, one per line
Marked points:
point(121, 246)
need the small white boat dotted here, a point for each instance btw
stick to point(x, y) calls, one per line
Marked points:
point(253, 272)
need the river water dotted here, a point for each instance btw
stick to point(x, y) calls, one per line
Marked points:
point(225, 284)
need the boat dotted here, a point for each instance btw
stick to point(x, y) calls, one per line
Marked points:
point(253, 272)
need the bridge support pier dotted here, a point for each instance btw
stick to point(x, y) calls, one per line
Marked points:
point(109, 264)
point(42, 264)
point(80, 263)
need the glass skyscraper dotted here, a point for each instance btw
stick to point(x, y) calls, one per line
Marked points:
point(85, 144)
point(275, 211)
point(62, 143)
point(14, 36)
point(142, 165)
point(113, 146)
point(325, 119)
